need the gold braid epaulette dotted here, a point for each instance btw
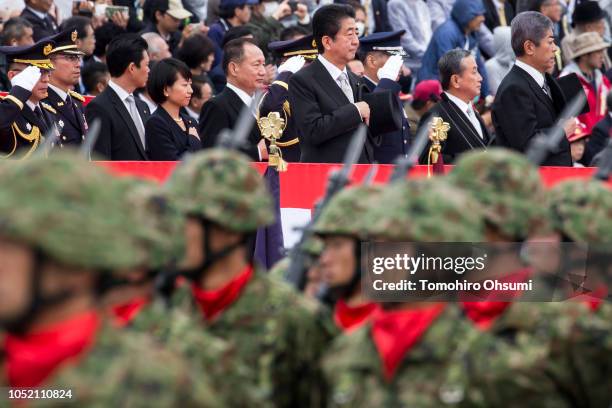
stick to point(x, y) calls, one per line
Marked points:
point(33, 137)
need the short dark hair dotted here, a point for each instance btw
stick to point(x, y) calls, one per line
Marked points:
point(292, 32)
point(528, 26)
point(92, 74)
point(14, 29)
point(451, 64)
point(104, 35)
point(151, 6)
point(122, 51)
point(229, 12)
point(234, 33)
point(195, 50)
point(165, 73)
point(234, 51)
point(197, 88)
point(78, 23)
point(326, 21)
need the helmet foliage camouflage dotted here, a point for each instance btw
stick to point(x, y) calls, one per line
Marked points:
point(222, 187)
point(345, 213)
point(508, 187)
point(582, 210)
point(426, 210)
point(71, 210)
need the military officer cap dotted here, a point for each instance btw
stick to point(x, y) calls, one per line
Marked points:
point(304, 46)
point(386, 41)
point(36, 55)
point(65, 43)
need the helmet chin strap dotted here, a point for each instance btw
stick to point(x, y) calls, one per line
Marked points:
point(331, 294)
point(20, 324)
point(211, 257)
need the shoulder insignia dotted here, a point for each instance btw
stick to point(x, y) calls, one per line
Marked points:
point(48, 107)
point(77, 96)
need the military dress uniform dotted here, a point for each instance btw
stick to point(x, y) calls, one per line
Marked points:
point(22, 123)
point(277, 97)
point(70, 117)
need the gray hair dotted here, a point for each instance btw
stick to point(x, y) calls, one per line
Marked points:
point(529, 26)
point(450, 64)
point(153, 40)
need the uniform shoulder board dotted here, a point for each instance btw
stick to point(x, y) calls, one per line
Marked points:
point(48, 107)
point(77, 96)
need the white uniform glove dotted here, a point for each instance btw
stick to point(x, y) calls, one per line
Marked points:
point(392, 68)
point(293, 64)
point(27, 78)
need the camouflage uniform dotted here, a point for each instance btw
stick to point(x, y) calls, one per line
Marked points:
point(274, 330)
point(69, 211)
point(428, 210)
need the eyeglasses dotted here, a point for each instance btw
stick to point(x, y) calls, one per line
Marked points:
point(71, 57)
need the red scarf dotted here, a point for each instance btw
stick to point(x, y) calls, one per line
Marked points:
point(484, 313)
point(348, 318)
point(213, 302)
point(396, 332)
point(127, 312)
point(32, 358)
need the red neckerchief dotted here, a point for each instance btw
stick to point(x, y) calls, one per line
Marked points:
point(348, 318)
point(32, 358)
point(396, 332)
point(213, 302)
point(125, 313)
point(484, 313)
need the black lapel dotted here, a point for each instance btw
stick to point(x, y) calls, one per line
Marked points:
point(31, 118)
point(535, 88)
point(329, 84)
point(124, 114)
point(234, 101)
point(461, 123)
point(559, 100)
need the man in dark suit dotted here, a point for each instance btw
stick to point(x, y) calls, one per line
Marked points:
point(324, 95)
point(67, 58)
point(529, 100)
point(244, 67)
point(37, 13)
point(461, 83)
point(122, 115)
point(381, 72)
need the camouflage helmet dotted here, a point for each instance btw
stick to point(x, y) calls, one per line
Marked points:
point(508, 188)
point(582, 211)
point(69, 210)
point(163, 226)
point(221, 186)
point(344, 215)
point(426, 210)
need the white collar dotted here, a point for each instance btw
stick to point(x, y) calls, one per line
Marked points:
point(333, 70)
point(37, 13)
point(244, 97)
point(31, 104)
point(534, 73)
point(121, 93)
point(192, 113)
point(62, 94)
point(152, 105)
point(461, 104)
point(370, 79)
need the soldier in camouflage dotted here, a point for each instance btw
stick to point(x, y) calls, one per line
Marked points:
point(61, 252)
point(274, 330)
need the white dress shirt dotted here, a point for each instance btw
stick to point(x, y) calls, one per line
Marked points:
point(62, 94)
point(123, 94)
point(534, 73)
point(468, 112)
point(335, 72)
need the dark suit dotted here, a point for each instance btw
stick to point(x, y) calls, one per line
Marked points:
point(41, 27)
point(600, 136)
point(392, 144)
point(492, 15)
point(222, 112)
point(522, 110)
point(462, 135)
point(381, 17)
point(119, 139)
point(70, 118)
point(165, 138)
point(21, 131)
point(324, 117)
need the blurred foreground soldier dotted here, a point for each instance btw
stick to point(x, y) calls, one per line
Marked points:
point(529, 100)
point(382, 57)
point(312, 268)
point(461, 83)
point(294, 55)
point(404, 355)
point(24, 117)
point(274, 330)
point(70, 118)
point(52, 282)
point(342, 226)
